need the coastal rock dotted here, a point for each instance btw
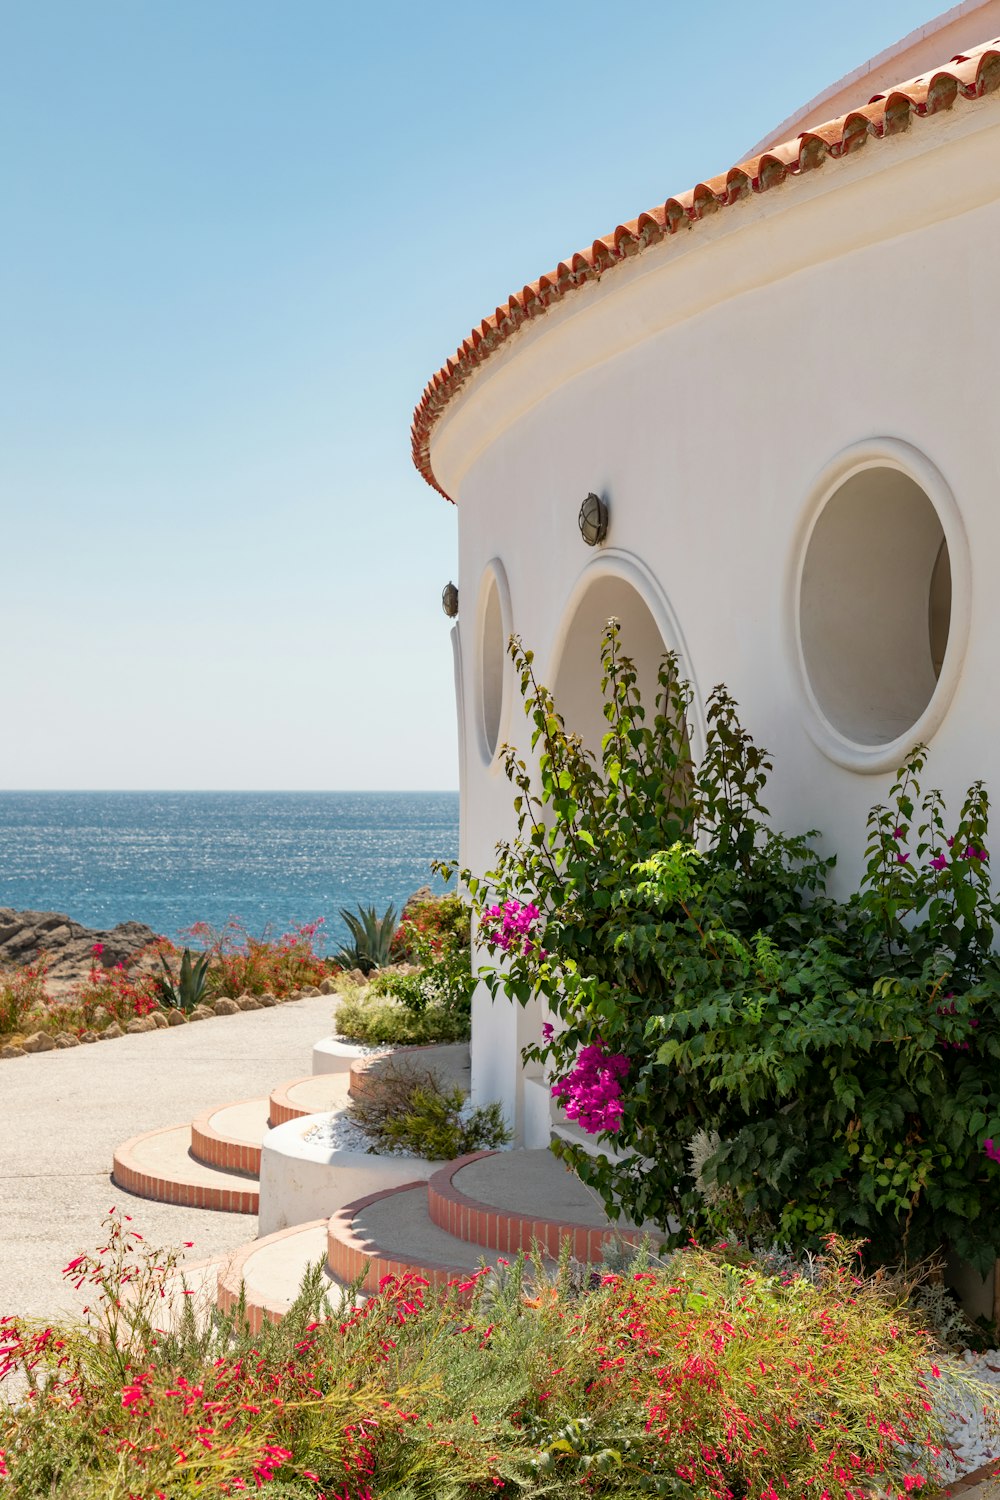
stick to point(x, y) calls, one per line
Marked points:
point(266, 1001)
point(68, 946)
point(67, 1039)
point(11, 1051)
point(158, 1019)
point(140, 1024)
point(248, 1002)
point(89, 1036)
point(326, 987)
point(201, 1013)
point(39, 1042)
point(176, 1018)
point(111, 1032)
point(223, 1007)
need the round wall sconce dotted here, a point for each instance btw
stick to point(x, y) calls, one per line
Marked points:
point(593, 520)
point(449, 600)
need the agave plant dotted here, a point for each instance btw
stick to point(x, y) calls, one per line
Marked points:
point(185, 992)
point(371, 938)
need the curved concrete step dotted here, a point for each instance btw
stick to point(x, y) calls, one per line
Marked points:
point(512, 1200)
point(230, 1136)
point(158, 1164)
point(315, 1094)
point(392, 1234)
point(271, 1272)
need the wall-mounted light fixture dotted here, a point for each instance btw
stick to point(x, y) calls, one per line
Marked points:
point(449, 600)
point(593, 520)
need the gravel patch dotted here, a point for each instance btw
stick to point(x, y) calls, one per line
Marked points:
point(971, 1439)
point(338, 1133)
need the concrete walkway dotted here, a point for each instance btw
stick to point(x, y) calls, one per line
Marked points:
point(63, 1113)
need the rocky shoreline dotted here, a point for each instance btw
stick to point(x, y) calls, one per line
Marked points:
point(67, 946)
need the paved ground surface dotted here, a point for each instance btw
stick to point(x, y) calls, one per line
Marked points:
point(63, 1113)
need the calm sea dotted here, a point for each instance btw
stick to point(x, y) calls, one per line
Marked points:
point(170, 859)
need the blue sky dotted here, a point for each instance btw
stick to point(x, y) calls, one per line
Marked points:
point(239, 237)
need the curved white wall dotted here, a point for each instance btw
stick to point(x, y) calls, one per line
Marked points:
point(706, 390)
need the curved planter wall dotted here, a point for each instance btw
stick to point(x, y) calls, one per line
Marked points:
point(300, 1182)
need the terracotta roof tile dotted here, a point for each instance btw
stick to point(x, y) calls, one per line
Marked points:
point(969, 75)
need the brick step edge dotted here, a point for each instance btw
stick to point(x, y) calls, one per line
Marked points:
point(162, 1187)
point(283, 1108)
point(350, 1256)
point(213, 1149)
point(259, 1309)
point(507, 1230)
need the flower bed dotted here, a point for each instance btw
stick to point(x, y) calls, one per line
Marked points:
point(703, 1379)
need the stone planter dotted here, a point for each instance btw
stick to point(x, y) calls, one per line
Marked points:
point(334, 1055)
point(300, 1182)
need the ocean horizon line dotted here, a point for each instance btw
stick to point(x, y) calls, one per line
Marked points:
point(222, 791)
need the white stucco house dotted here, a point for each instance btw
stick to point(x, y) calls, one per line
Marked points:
point(784, 384)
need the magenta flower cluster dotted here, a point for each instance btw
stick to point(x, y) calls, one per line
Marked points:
point(940, 861)
point(952, 1010)
point(514, 929)
point(991, 1150)
point(591, 1093)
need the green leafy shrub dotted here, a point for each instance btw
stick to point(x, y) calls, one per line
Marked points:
point(368, 1015)
point(687, 1381)
point(406, 1108)
point(371, 937)
point(430, 923)
point(841, 1057)
point(375, 1024)
point(447, 983)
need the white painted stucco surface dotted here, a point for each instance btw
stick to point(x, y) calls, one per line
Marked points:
point(708, 389)
point(300, 1182)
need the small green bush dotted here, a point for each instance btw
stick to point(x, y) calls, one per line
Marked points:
point(406, 1108)
point(446, 982)
point(380, 1020)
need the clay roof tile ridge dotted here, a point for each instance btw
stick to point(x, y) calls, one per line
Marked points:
point(968, 75)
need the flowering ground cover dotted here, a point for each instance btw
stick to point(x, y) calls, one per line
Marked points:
point(240, 963)
point(701, 1378)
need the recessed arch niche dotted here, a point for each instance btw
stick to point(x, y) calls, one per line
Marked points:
point(493, 629)
point(647, 631)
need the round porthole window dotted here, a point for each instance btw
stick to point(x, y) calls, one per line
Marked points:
point(875, 607)
point(492, 660)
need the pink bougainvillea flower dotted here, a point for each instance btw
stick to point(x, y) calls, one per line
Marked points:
point(511, 926)
point(991, 1150)
point(897, 833)
point(591, 1092)
point(548, 1031)
point(901, 859)
point(939, 862)
point(971, 852)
